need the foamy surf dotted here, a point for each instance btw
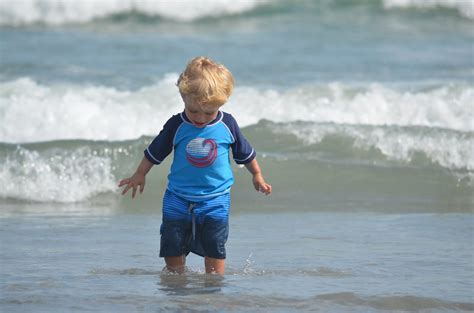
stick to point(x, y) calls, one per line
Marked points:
point(449, 149)
point(68, 111)
point(81, 170)
point(55, 175)
point(81, 139)
point(60, 12)
point(464, 7)
point(55, 12)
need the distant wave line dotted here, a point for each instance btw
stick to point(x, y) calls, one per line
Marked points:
point(60, 12)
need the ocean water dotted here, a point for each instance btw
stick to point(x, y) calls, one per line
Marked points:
point(362, 115)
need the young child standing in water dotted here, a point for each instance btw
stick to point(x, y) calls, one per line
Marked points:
point(197, 200)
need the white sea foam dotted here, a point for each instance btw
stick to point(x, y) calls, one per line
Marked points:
point(56, 12)
point(464, 7)
point(55, 176)
point(448, 107)
point(31, 112)
point(449, 149)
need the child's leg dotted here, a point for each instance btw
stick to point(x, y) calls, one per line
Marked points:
point(175, 230)
point(213, 230)
point(175, 264)
point(214, 266)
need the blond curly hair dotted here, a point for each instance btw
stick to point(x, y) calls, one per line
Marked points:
point(208, 83)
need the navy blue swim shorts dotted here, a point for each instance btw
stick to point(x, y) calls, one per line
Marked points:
point(198, 227)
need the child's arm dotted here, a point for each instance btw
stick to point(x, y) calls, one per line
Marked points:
point(258, 180)
point(137, 179)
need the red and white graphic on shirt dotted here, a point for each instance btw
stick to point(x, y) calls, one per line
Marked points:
point(201, 152)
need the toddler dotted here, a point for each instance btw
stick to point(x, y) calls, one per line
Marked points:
point(197, 200)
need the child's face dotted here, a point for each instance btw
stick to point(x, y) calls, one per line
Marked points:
point(198, 115)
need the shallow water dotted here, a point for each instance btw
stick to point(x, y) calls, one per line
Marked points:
point(276, 261)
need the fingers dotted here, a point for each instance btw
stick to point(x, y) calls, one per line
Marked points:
point(266, 189)
point(131, 185)
point(124, 182)
point(126, 189)
point(263, 188)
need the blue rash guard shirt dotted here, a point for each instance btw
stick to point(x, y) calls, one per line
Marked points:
point(201, 166)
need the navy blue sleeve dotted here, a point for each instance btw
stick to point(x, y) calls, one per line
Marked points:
point(162, 145)
point(242, 151)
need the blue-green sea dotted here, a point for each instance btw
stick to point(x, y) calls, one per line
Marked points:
point(361, 113)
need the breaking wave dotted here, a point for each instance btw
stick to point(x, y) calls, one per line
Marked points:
point(464, 7)
point(56, 12)
point(81, 139)
point(59, 12)
point(105, 113)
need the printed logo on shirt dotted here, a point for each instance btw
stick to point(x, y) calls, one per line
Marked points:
point(201, 152)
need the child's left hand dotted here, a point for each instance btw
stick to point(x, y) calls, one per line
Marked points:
point(260, 184)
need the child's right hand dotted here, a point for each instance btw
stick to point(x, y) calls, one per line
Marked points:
point(136, 181)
